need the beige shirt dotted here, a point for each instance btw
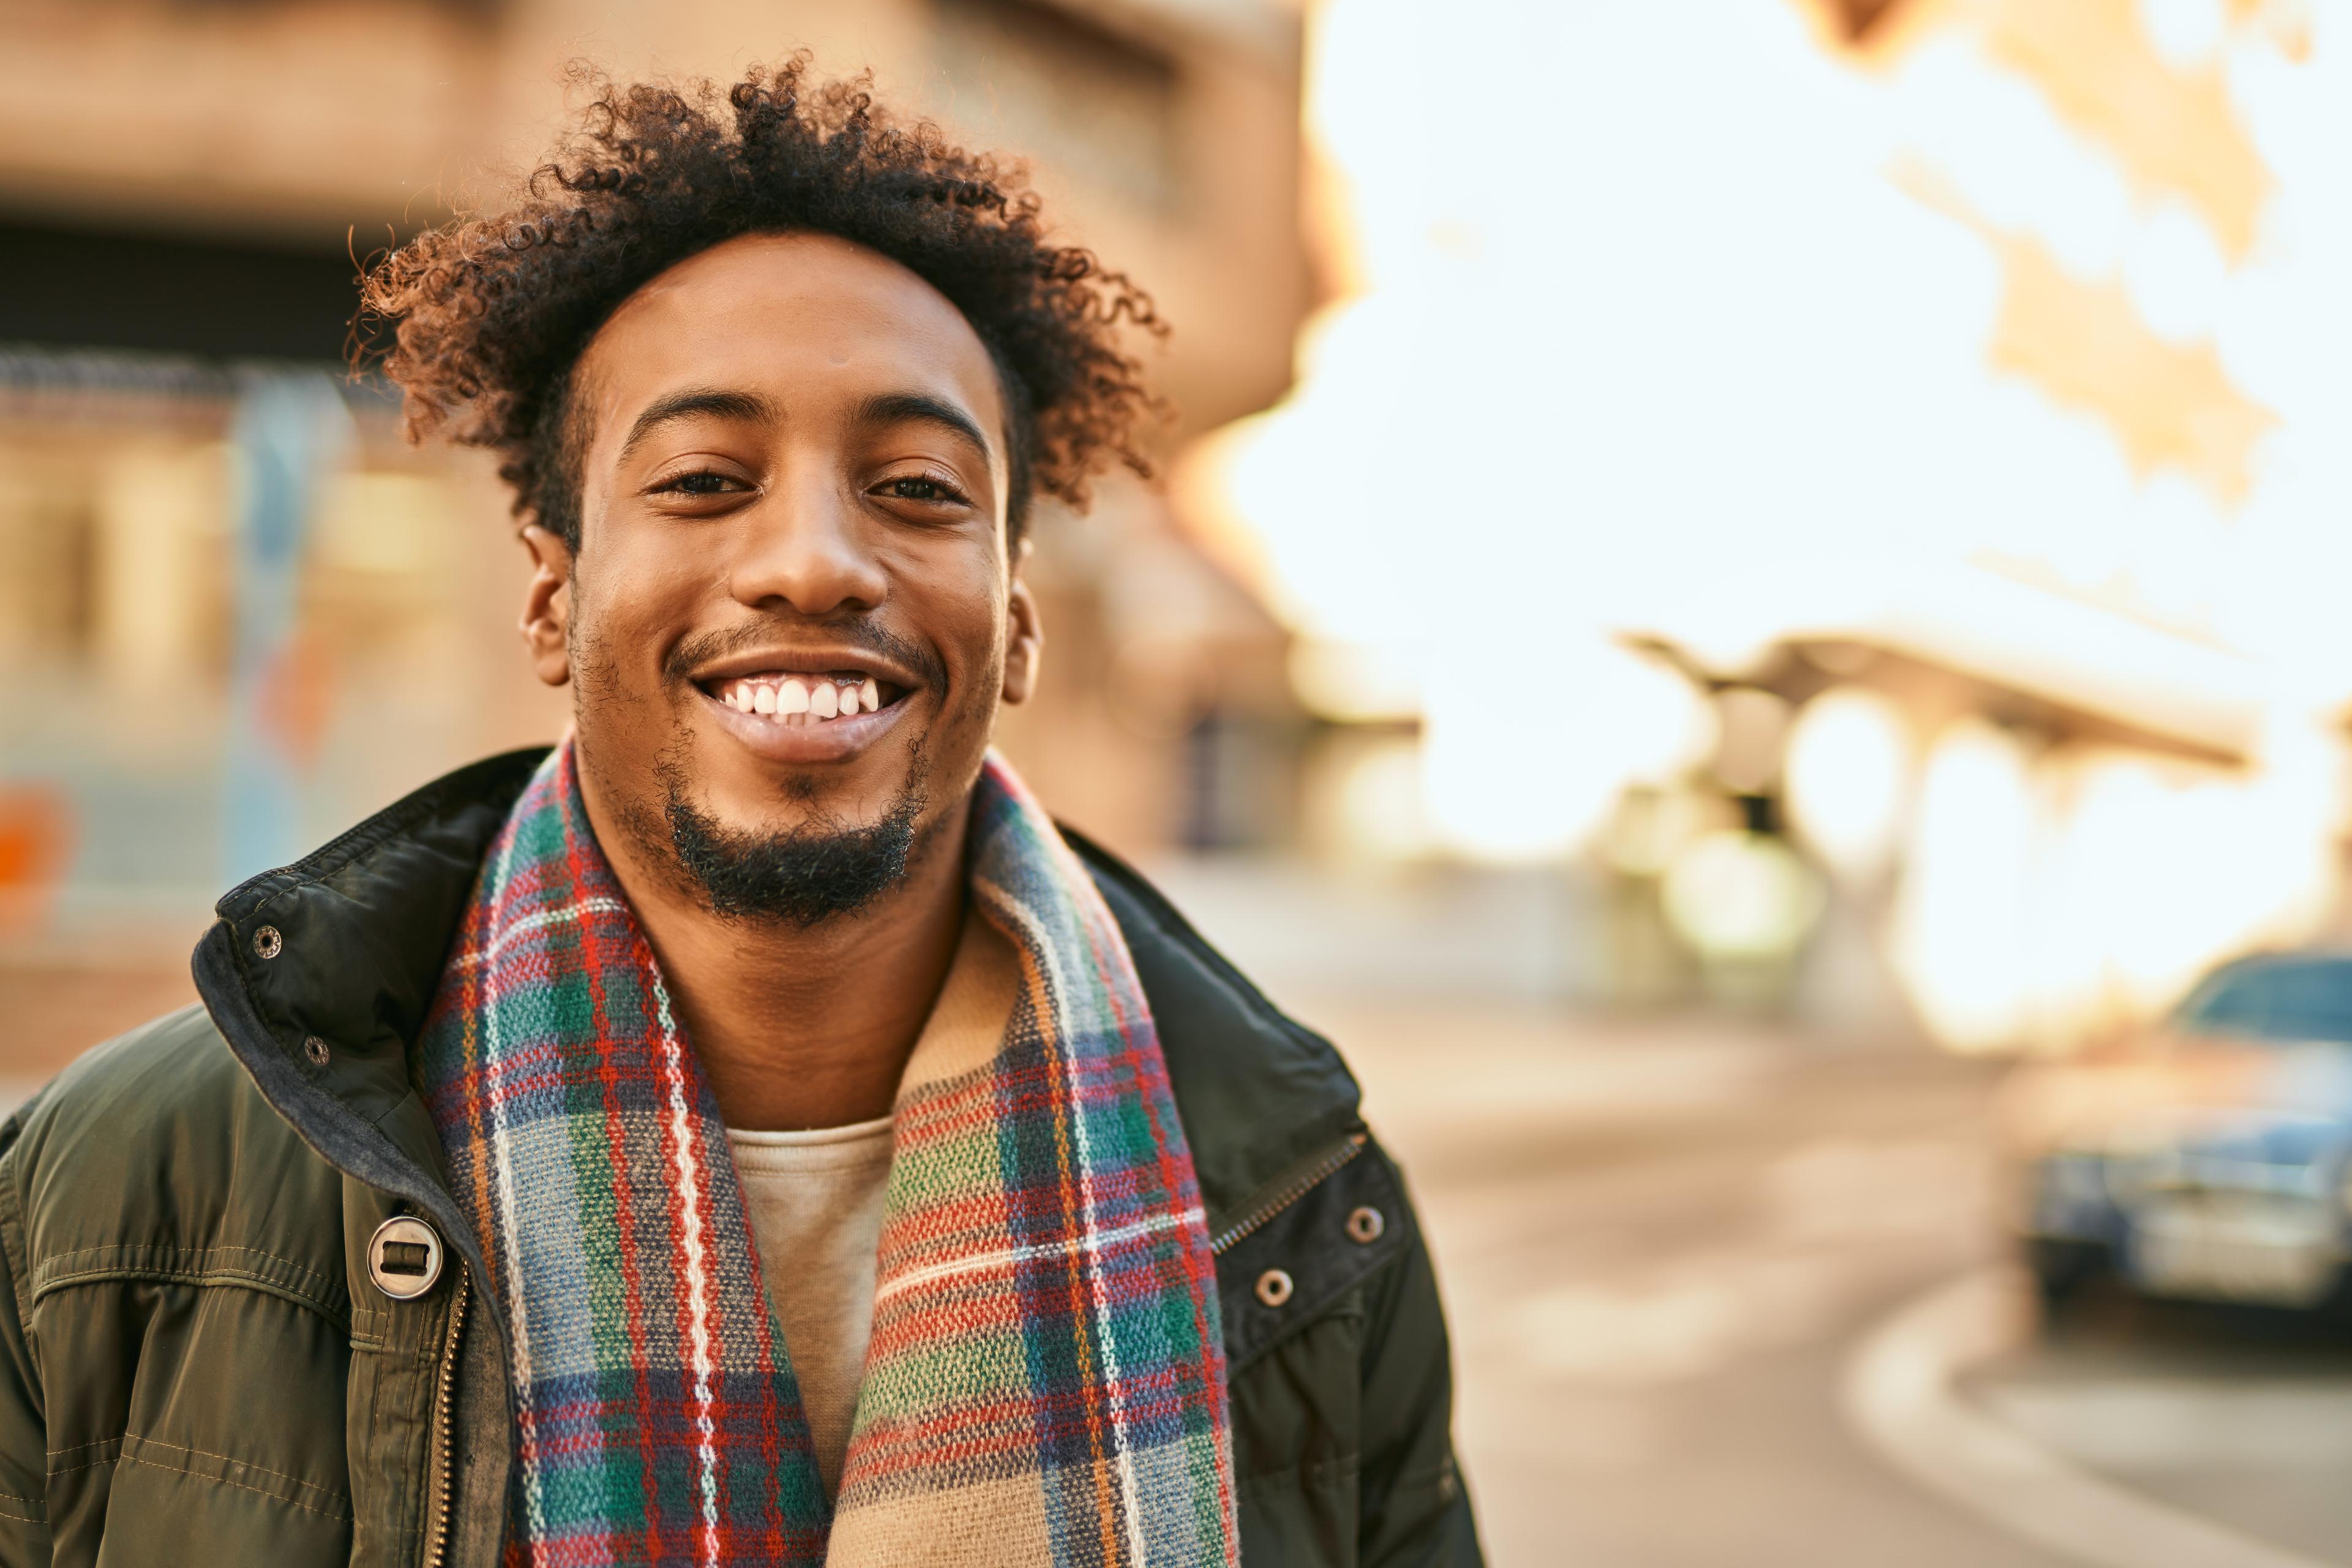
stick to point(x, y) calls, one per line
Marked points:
point(816, 1199)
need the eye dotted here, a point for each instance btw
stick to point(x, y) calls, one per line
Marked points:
point(701, 482)
point(919, 488)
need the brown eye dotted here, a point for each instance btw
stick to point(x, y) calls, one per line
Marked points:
point(916, 487)
point(702, 483)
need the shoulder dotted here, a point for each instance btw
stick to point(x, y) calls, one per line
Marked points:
point(140, 1073)
point(167, 1082)
point(154, 1153)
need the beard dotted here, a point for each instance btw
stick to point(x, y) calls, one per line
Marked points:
point(817, 870)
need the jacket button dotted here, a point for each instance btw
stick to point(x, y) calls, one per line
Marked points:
point(1364, 1226)
point(268, 943)
point(1273, 1287)
point(404, 1258)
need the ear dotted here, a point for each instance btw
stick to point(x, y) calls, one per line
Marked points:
point(1025, 643)
point(547, 607)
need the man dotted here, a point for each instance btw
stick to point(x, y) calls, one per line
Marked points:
point(749, 1133)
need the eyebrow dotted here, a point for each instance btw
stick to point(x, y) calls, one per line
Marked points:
point(694, 403)
point(917, 407)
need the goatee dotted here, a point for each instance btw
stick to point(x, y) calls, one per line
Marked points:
point(820, 869)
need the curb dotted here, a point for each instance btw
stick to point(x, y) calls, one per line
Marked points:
point(1898, 1393)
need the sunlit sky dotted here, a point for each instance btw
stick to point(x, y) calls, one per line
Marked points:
point(1655, 298)
point(2029, 330)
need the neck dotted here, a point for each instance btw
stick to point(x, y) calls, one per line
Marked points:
point(797, 1026)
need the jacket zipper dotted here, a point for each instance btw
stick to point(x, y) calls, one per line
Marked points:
point(1307, 1181)
point(436, 1471)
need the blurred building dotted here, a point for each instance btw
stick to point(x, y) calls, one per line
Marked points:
point(208, 555)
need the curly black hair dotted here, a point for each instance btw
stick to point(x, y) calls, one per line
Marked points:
point(486, 318)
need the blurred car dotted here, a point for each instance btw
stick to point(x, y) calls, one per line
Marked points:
point(2206, 1158)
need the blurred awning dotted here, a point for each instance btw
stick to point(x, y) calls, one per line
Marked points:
point(2018, 651)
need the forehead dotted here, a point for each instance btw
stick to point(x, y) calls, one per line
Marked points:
point(805, 319)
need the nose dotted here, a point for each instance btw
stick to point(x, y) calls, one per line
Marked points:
point(805, 547)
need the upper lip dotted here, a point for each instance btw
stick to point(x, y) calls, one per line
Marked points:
point(806, 661)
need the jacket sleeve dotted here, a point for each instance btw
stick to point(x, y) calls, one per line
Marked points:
point(24, 1428)
point(1416, 1511)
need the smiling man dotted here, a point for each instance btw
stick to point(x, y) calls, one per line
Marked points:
point(752, 1131)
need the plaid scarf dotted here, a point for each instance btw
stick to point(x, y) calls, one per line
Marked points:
point(1045, 1381)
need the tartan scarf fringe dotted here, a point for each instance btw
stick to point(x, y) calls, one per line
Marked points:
point(1044, 1381)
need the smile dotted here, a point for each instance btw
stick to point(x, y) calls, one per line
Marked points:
point(795, 701)
point(806, 715)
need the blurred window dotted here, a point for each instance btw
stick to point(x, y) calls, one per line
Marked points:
point(161, 294)
point(2292, 1000)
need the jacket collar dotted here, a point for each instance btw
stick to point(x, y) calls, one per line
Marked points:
point(319, 976)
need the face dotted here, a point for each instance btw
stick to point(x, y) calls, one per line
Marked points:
point(792, 613)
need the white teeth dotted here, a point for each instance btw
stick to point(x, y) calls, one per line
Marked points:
point(803, 700)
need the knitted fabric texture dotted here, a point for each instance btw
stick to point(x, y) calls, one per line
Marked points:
point(1045, 1380)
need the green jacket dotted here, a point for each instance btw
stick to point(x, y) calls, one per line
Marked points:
point(196, 1366)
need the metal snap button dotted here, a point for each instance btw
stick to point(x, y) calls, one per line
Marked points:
point(404, 1258)
point(1364, 1226)
point(316, 1049)
point(1273, 1287)
point(268, 943)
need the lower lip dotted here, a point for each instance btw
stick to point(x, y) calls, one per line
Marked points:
point(828, 741)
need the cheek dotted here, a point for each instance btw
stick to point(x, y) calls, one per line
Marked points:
point(615, 660)
point(950, 594)
point(977, 638)
point(634, 612)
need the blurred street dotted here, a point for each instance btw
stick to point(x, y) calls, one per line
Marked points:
point(2240, 1417)
point(1662, 1244)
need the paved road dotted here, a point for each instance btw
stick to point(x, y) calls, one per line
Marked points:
point(1661, 1246)
point(2243, 1418)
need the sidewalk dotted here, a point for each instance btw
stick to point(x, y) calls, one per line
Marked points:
point(2241, 1419)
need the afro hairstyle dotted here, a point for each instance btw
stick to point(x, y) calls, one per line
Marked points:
point(480, 322)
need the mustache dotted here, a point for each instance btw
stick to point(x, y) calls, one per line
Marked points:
point(857, 630)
